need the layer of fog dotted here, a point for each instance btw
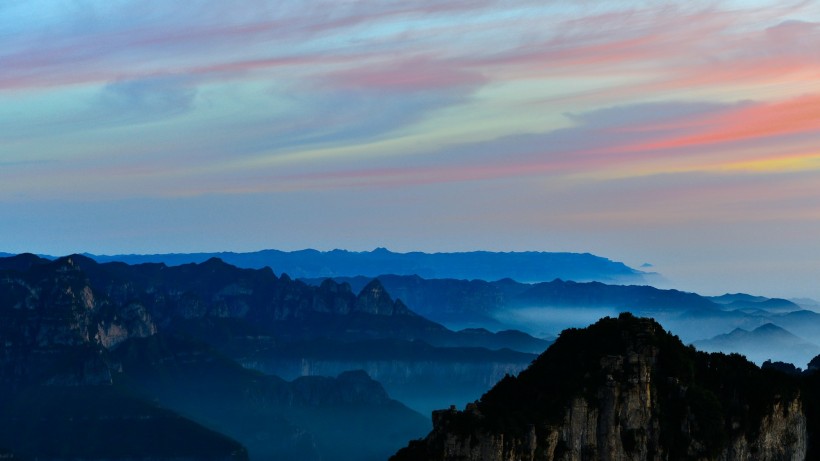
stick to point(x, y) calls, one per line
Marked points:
point(548, 321)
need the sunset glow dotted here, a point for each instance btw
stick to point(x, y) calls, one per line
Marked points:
point(685, 134)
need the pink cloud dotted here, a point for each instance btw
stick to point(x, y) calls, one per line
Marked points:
point(201, 43)
point(706, 139)
point(420, 73)
point(744, 123)
point(666, 49)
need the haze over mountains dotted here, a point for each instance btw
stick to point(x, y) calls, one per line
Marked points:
point(479, 290)
point(188, 338)
point(545, 309)
point(243, 363)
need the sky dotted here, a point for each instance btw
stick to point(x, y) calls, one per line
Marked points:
point(681, 134)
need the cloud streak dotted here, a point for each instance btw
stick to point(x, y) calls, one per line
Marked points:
point(578, 124)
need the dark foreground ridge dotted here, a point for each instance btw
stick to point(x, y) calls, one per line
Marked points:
point(626, 389)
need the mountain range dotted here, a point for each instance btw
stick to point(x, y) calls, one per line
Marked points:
point(530, 266)
point(212, 361)
point(758, 345)
point(544, 309)
point(167, 345)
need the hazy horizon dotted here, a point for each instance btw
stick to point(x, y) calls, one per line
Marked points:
point(681, 134)
point(656, 279)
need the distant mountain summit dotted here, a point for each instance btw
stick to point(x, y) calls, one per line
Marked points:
point(530, 266)
point(625, 389)
point(759, 344)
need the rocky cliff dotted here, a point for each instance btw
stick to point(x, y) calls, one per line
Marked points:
point(624, 389)
point(67, 327)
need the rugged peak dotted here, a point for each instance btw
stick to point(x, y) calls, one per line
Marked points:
point(214, 263)
point(814, 365)
point(624, 388)
point(331, 286)
point(75, 262)
point(374, 299)
point(374, 288)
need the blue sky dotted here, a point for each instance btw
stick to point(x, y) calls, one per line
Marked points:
point(684, 134)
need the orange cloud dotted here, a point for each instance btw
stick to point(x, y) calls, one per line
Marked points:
point(747, 122)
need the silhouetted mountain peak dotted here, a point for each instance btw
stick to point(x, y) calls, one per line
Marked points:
point(766, 342)
point(77, 260)
point(214, 261)
point(728, 298)
point(749, 303)
point(374, 289)
point(814, 364)
point(21, 262)
point(374, 299)
point(623, 388)
point(331, 286)
point(770, 328)
point(767, 330)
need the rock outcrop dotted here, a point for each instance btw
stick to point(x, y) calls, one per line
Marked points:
point(624, 389)
point(68, 325)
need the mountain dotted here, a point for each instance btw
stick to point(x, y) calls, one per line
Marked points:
point(308, 418)
point(807, 303)
point(58, 399)
point(762, 344)
point(67, 323)
point(522, 266)
point(103, 422)
point(624, 388)
point(422, 376)
point(452, 302)
point(546, 308)
point(496, 305)
point(729, 298)
point(742, 301)
point(155, 296)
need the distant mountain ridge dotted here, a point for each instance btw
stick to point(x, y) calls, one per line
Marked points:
point(544, 309)
point(758, 344)
point(486, 303)
point(530, 266)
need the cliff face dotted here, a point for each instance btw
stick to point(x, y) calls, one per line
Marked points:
point(53, 322)
point(47, 307)
point(637, 395)
point(73, 331)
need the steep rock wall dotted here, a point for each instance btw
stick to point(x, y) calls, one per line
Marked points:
point(636, 411)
